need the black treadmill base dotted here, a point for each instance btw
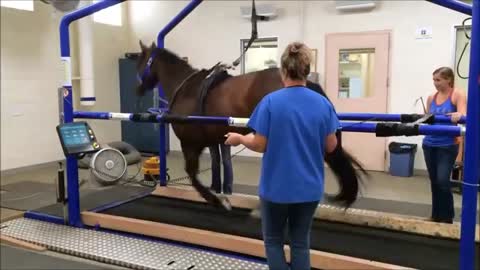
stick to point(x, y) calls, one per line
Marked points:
point(404, 249)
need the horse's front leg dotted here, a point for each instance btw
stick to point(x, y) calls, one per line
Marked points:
point(191, 155)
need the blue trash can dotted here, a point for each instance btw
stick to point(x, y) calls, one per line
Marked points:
point(402, 158)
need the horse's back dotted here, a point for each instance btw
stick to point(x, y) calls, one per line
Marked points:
point(237, 96)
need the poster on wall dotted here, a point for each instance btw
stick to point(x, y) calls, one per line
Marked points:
point(423, 33)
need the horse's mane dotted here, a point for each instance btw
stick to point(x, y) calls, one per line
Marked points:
point(171, 58)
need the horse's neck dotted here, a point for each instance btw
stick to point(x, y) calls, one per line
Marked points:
point(173, 78)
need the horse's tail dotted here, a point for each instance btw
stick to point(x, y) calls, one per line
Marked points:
point(343, 165)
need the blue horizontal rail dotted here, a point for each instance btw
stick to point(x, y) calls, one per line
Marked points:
point(404, 118)
point(381, 129)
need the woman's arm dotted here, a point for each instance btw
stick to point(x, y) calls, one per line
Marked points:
point(460, 100)
point(252, 141)
point(330, 143)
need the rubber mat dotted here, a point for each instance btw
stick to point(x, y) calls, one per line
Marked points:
point(387, 206)
point(393, 247)
point(27, 195)
point(96, 198)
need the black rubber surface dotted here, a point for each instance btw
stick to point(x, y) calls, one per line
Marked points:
point(393, 247)
point(98, 198)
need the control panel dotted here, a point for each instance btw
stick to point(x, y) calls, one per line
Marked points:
point(77, 138)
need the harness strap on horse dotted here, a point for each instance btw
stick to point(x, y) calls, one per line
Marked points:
point(216, 75)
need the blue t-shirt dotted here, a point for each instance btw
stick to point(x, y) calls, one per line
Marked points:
point(295, 121)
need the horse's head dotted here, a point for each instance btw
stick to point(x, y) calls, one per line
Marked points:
point(146, 77)
point(156, 65)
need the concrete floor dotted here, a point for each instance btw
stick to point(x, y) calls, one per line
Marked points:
point(246, 171)
point(380, 185)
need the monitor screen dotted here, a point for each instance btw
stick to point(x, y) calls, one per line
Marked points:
point(77, 137)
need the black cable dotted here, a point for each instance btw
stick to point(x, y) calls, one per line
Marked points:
point(464, 48)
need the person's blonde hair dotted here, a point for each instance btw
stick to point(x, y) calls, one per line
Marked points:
point(446, 73)
point(295, 62)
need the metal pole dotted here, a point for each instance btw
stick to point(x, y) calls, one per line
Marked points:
point(163, 127)
point(472, 143)
point(242, 122)
point(392, 117)
point(454, 5)
point(72, 166)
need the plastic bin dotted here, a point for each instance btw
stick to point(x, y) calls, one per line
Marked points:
point(402, 158)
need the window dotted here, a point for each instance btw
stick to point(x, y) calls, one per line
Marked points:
point(18, 4)
point(111, 15)
point(262, 54)
point(356, 73)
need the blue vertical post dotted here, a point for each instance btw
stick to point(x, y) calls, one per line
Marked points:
point(72, 166)
point(472, 155)
point(161, 44)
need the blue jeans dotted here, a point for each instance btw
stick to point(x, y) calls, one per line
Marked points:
point(298, 218)
point(227, 168)
point(440, 161)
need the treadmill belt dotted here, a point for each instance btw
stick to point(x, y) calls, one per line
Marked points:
point(404, 249)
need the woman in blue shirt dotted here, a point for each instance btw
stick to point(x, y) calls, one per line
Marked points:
point(293, 127)
point(441, 151)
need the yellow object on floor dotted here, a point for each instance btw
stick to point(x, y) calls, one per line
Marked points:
point(151, 167)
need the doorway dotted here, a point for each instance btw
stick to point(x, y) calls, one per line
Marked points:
point(357, 81)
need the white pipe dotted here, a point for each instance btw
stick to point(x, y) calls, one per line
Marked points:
point(85, 51)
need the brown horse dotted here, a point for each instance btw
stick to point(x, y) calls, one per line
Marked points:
point(235, 96)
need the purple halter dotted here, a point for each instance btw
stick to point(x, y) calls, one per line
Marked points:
point(147, 72)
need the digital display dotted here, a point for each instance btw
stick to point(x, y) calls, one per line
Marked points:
point(77, 138)
point(75, 135)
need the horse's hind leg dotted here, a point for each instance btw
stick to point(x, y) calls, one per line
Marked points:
point(191, 155)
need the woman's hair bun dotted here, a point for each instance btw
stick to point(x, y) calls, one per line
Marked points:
point(295, 48)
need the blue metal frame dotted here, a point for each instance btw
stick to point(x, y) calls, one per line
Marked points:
point(472, 152)
point(454, 5)
point(115, 204)
point(161, 44)
point(72, 166)
point(44, 217)
point(391, 117)
point(422, 130)
point(225, 120)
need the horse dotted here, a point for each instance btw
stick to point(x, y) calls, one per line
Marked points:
point(235, 96)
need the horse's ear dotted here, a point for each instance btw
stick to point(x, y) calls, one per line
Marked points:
point(153, 46)
point(142, 46)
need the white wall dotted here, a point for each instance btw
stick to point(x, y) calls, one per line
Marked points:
point(109, 45)
point(29, 83)
point(31, 74)
point(412, 61)
point(212, 33)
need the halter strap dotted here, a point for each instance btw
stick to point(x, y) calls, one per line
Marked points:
point(147, 72)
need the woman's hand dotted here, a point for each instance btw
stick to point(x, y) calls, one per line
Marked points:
point(455, 116)
point(233, 138)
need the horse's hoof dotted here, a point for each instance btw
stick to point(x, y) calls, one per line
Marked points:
point(225, 203)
